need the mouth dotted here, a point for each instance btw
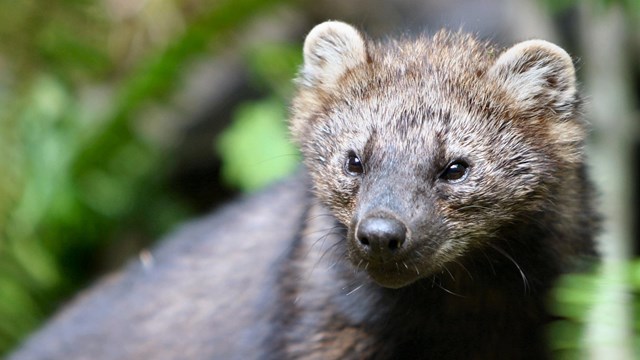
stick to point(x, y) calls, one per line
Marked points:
point(393, 279)
point(391, 274)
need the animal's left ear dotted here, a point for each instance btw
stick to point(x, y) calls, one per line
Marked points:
point(540, 76)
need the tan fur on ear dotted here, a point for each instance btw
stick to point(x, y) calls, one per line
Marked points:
point(331, 49)
point(539, 76)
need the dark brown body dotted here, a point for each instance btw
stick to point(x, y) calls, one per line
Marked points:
point(445, 191)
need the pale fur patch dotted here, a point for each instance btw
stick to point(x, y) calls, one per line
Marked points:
point(526, 71)
point(331, 49)
point(569, 132)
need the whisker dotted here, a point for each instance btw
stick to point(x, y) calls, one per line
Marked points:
point(328, 232)
point(525, 281)
point(330, 248)
point(438, 284)
point(354, 290)
point(465, 268)
point(450, 274)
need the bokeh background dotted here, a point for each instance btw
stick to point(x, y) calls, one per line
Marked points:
point(120, 119)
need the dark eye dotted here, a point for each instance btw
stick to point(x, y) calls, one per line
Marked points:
point(353, 165)
point(455, 171)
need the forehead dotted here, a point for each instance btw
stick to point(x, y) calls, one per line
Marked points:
point(417, 81)
point(431, 115)
point(428, 103)
point(419, 90)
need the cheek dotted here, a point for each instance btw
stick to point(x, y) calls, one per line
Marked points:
point(336, 190)
point(474, 208)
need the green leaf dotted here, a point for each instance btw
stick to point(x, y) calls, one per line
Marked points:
point(255, 150)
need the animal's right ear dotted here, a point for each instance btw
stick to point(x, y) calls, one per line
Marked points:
point(330, 49)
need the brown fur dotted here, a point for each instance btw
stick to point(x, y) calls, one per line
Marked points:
point(452, 269)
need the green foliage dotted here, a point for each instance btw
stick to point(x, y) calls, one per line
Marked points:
point(255, 149)
point(632, 6)
point(576, 297)
point(273, 66)
point(39, 165)
point(76, 170)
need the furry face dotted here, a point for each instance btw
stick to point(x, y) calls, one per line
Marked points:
point(427, 149)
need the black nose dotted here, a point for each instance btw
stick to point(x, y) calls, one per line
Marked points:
point(381, 234)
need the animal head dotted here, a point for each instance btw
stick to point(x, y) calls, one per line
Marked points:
point(427, 148)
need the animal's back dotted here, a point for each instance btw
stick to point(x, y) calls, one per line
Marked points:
point(202, 294)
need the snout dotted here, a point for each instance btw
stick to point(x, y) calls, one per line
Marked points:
point(382, 245)
point(381, 236)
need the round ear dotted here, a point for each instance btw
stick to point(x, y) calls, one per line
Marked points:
point(330, 49)
point(539, 75)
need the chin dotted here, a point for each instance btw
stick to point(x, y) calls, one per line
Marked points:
point(393, 279)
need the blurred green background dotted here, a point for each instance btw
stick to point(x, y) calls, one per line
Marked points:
point(120, 119)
